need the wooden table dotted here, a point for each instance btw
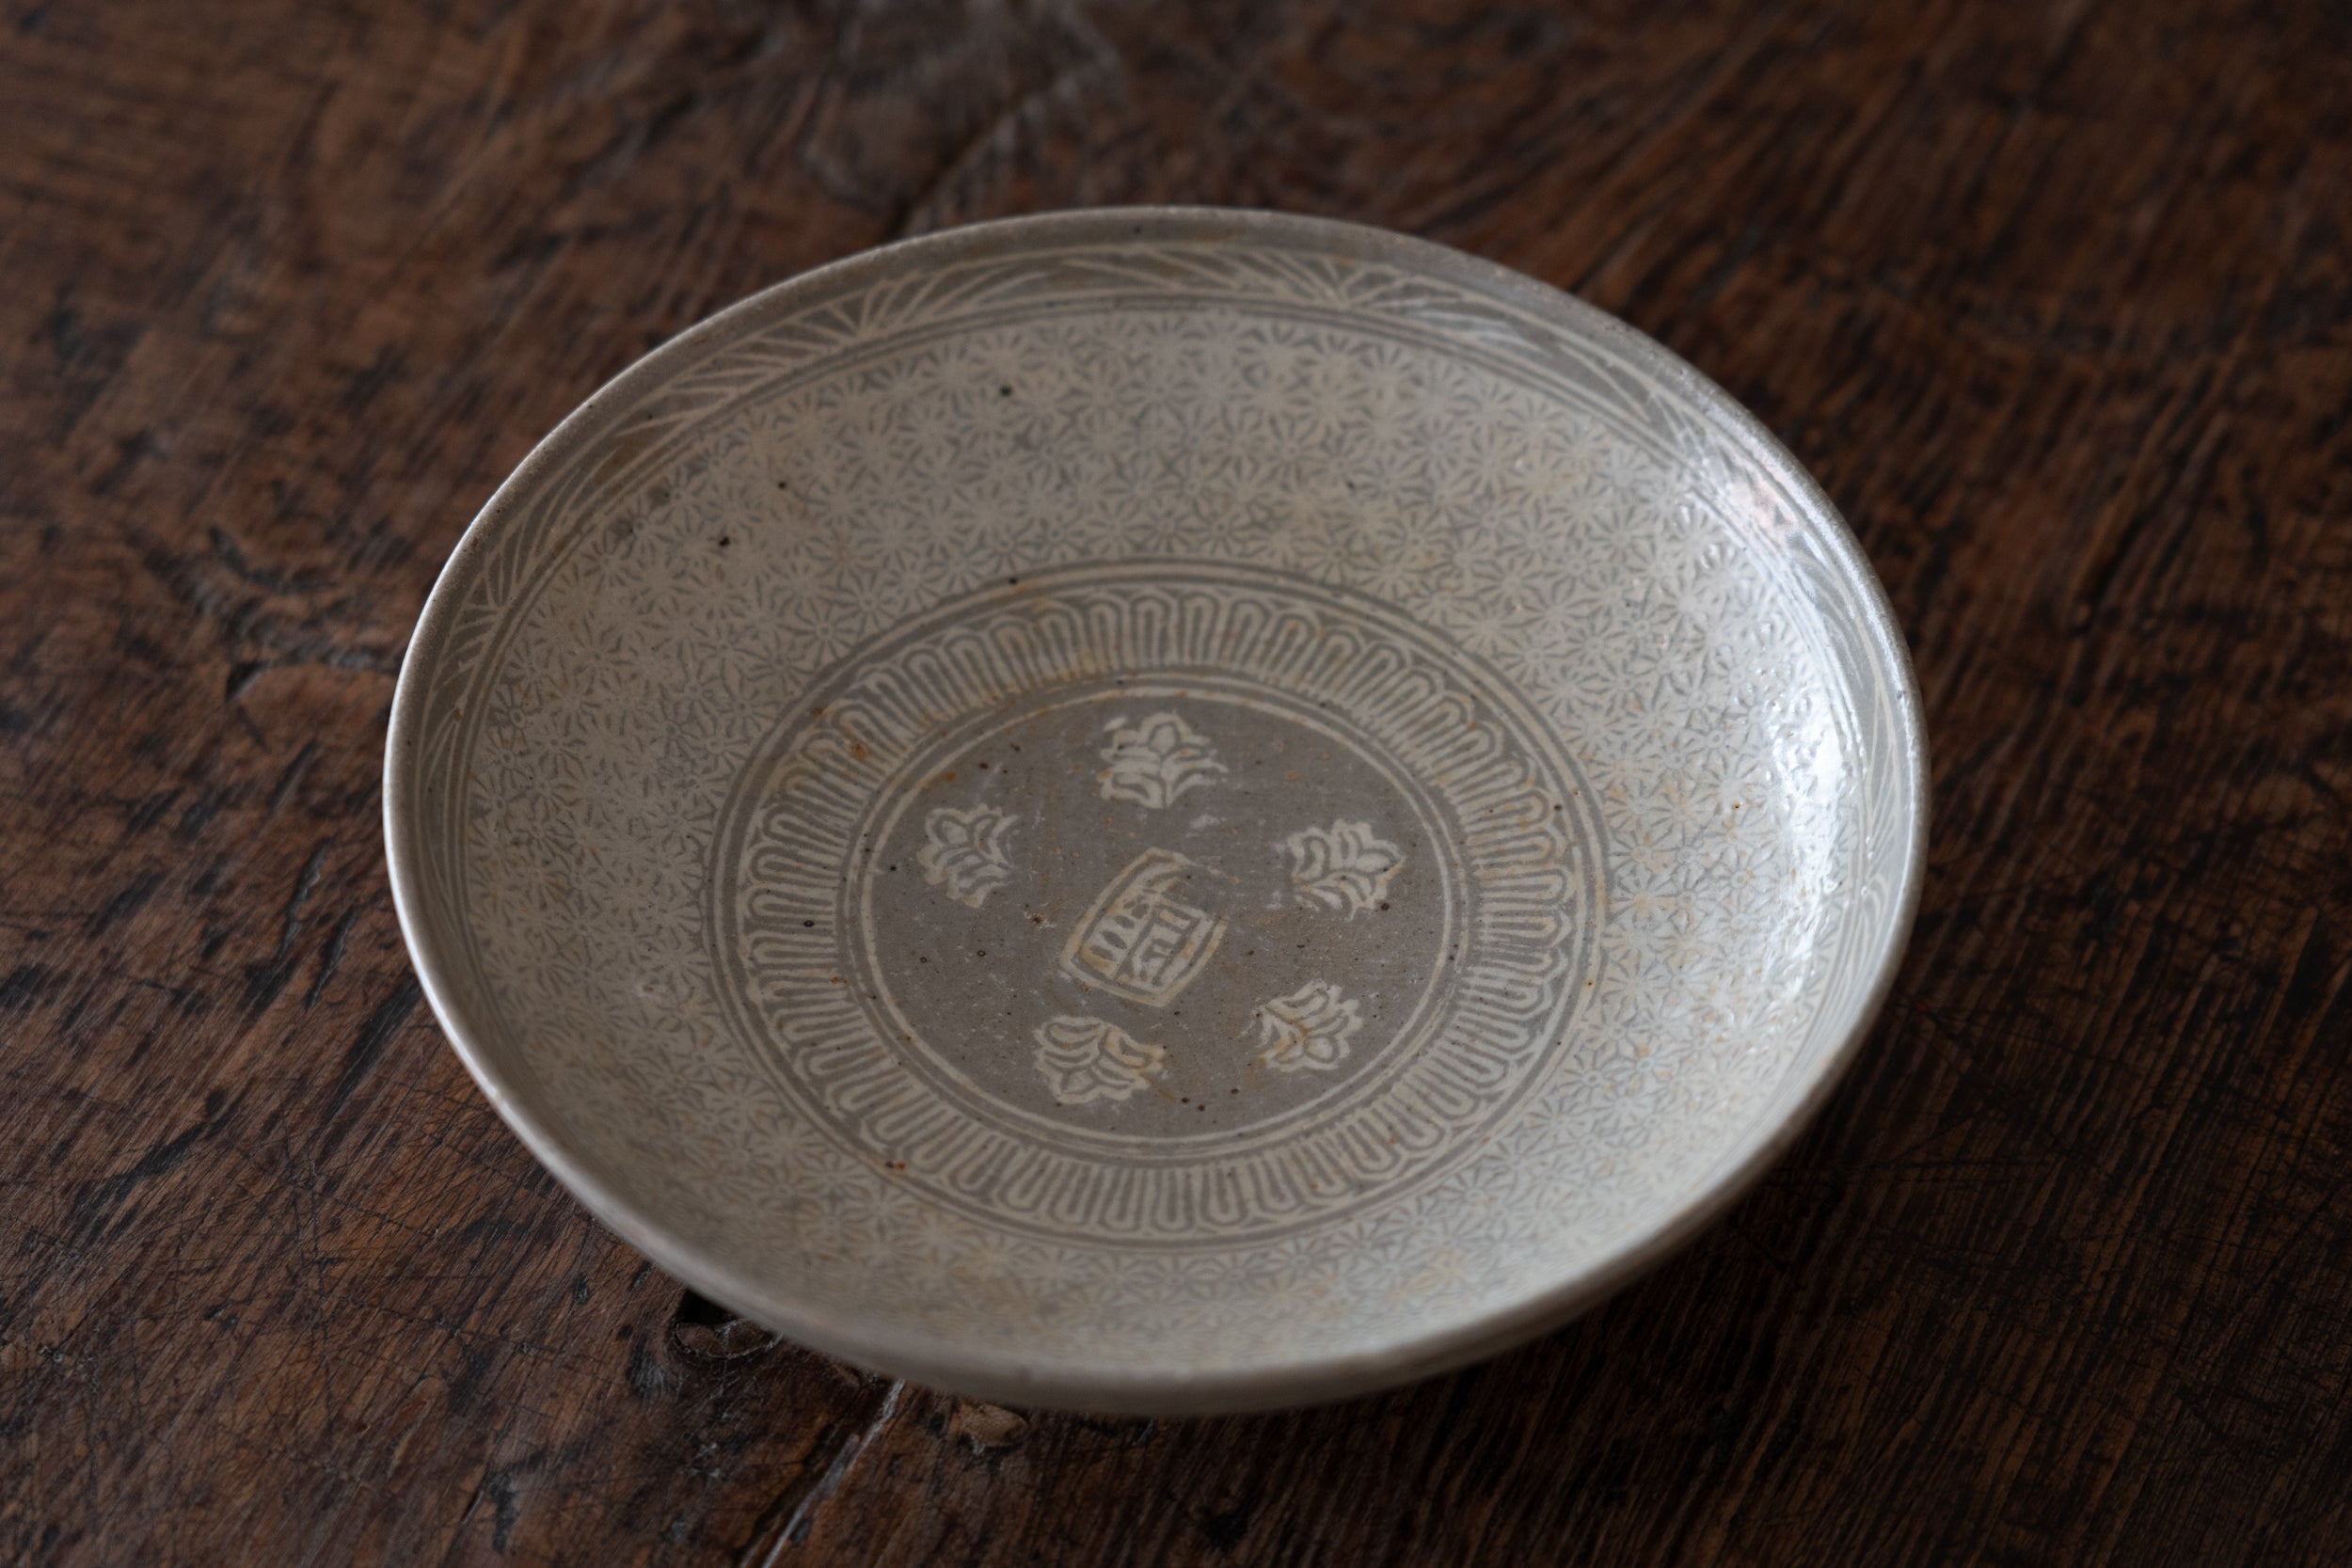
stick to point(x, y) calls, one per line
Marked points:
point(2054, 299)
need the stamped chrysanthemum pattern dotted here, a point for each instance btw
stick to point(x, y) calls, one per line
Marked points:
point(1344, 866)
point(1308, 1031)
point(1154, 761)
point(965, 852)
point(1083, 1059)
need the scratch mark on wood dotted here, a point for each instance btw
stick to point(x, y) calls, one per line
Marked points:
point(330, 957)
point(264, 981)
point(375, 1034)
point(786, 1521)
point(126, 903)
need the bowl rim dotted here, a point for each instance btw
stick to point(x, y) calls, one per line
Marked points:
point(1022, 1378)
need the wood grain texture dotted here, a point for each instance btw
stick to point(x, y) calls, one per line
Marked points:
point(2055, 297)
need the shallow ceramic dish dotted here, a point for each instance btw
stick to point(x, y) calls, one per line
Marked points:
point(1156, 810)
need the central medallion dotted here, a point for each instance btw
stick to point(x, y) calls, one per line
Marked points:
point(1160, 900)
point(1140, 938)
point(1153, 909)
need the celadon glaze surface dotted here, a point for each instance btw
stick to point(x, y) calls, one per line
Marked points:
point(1158, 809)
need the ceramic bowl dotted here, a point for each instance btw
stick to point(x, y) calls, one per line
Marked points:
point(1156, 810)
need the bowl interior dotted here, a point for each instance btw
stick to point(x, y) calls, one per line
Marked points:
point(1163, 810)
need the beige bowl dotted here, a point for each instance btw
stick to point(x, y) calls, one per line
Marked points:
point(1156, 810)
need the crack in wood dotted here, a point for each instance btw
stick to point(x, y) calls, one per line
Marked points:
point(786, 1520)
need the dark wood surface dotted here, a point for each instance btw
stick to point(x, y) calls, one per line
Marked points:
point(2055, 299)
